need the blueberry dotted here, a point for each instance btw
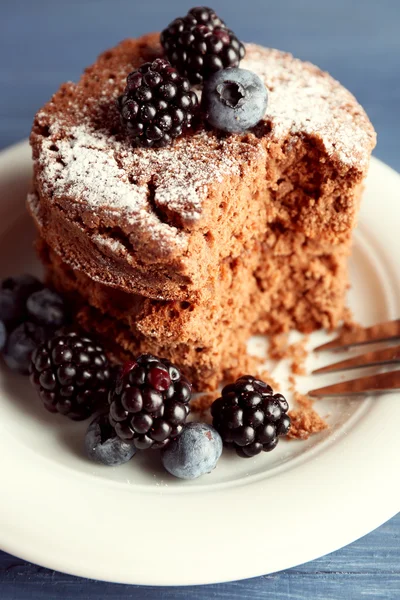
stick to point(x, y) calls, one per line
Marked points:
point(14, 292)
point(195, 452)
point(103, 446)
point(47, 308)
point(20, 345)
point(3, 335)
point(234, 100)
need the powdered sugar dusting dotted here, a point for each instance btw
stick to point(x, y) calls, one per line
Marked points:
point(114, 246)
point(97, 172)
point(84, 166)
point(304, 100)
point(158, 193)
point(182, 174)
point(34, 207)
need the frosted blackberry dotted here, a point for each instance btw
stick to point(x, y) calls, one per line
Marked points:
point(200, 44)
point(71, 374)
point(250, 417)
point(150, 402)
point(157, 105)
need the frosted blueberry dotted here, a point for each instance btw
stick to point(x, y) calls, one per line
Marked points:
point(234, 100)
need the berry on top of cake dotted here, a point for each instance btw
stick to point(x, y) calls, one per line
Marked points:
point(157, 105)
point(200, 44)
point(234, 100)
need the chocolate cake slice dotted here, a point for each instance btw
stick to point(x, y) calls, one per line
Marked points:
point(186, 250)
point(302, 290)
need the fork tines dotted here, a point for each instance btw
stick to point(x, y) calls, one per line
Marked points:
point(373, 384)
point(382, 383)
point(387, 356)
point(388, 331)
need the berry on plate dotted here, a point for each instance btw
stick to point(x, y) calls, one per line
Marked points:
point(157, 105)
point(20, 345)
point(234, 100)
point(194, 453)
point(14, 292)
point(200, 44)
point(150, 402)
point(103, 446)
point(250, 417)
point(71, 374)
point(3, 335)
point(47, 308)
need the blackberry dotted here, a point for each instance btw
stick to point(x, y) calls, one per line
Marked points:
point(157, 105)
point(71, 374)
point(149, 404)
point(249, 416)
point(200, 44)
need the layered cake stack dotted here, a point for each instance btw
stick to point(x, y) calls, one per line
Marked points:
point(187, 250)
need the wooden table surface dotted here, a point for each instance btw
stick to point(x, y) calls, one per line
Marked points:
point(45, 42)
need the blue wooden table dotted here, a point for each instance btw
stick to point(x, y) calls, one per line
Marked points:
point(45, 42)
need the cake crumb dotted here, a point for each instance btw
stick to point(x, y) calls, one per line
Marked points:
point(279, 349)
point(292, 383)
point(278, 346)
point(349, 324)
point(297, 352)
point(203, 402)
point(303, 400)
point(305, 423)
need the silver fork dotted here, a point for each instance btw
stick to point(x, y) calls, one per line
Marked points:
point(381, 383)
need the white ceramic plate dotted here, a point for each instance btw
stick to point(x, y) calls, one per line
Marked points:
point(135, 523)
